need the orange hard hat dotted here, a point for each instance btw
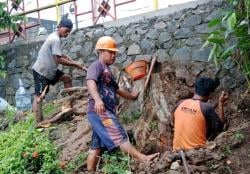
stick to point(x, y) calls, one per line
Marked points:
point(106, 43)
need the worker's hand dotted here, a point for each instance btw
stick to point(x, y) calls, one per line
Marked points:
point(223, 97)
point(81, 67)
point(67, 57)
point(84, 68)
point(99, 107)
point(134, 94)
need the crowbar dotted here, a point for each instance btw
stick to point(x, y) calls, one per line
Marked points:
point(184, 162)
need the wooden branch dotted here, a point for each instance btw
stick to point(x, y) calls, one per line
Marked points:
point(75, 96)
point(73, 89)
point(44, 92)
point(57, 117)
point(150, 72)
point(41, 97)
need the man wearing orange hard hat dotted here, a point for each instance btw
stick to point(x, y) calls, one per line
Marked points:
point(108, 133)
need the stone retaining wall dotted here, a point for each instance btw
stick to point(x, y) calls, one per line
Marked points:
point(177, 36)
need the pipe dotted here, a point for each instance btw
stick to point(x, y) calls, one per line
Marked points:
point(75, 11)
point(155, 4)
point(115, 8)
point(126, 2)
point(43, 8)
point(58, 11)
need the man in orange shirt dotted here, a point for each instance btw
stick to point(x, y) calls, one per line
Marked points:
point(195, 120)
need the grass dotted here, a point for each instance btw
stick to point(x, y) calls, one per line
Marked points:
point(239, 136)
point(76, 163)
point(8, 117)
point(23, 149)
point(227, 150)
point(116, 163)
point(153, 125)
point(131, 117)
point(49, 109)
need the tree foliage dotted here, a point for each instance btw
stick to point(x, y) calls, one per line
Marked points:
point(7, 20)
point(233, 24)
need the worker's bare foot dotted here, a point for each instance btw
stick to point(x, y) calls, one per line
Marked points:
point(151, 157)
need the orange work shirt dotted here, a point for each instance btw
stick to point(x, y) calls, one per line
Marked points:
point(189, 126)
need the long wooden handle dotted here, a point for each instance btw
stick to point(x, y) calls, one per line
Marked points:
point(184, 162)
point(150, 72)
point(44, 92)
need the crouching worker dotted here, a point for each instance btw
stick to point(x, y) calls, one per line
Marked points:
point(45, 70)
point(195, 120)
point(108, 133)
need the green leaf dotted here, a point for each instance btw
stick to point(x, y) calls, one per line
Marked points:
point(231, 21)
point(244, 22)
point(235, 3)
point(214, 22)
point(226, 16)
point(228, 52)
point(216, 40)
point(212, 52)
point(216, 32)
point(227, 33)
point(205, 44)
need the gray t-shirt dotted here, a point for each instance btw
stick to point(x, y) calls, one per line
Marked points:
point(45, 64)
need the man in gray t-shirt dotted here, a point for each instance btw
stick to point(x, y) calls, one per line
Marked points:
point(45, 70)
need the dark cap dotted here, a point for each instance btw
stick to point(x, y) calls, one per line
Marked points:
point(65, 22)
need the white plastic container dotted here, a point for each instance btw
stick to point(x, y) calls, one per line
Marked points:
point(4, 105)
point(23, 98)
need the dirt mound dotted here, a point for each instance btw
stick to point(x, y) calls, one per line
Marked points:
point(72, 137)
point(228, 153)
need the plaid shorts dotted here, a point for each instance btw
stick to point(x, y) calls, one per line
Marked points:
point(107, 131)
point(41, 81)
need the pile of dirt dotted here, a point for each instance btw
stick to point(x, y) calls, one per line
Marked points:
point(228, 153)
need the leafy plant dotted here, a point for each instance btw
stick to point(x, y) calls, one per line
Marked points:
point(116, 163)
point(131, 117)
point(7, 20)
point(23, 149)
point(153, 125)
point(227, 150)
point(76, 162)
point(9, 114)
point(49, 108)
point(2, 66)
point(233, 23)
point(239, 136)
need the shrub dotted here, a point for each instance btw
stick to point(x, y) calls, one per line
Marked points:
point(23, 149)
